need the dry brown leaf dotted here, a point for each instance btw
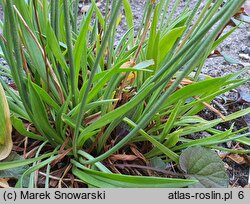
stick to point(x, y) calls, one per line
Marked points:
point(184, 82)
point(237, 158)
point(123, 157)
point(247, 186)
point(215, 53)
point(211, 108)
point(128, 64)
point(247, 159)
point(92, 118)
point(222, 155)
point(137, 153)
point(60, 157)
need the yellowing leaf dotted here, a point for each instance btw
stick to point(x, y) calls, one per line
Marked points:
point(5, 126)
point(131, 76)
point(128, 64)
point(4, 183)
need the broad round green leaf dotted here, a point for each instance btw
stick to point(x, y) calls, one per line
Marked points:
point(15, 172)
point(204, 165)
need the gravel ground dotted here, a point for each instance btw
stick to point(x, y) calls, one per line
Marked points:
point(236, 44)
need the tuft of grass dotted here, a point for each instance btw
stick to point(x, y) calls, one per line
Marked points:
point(96, 105)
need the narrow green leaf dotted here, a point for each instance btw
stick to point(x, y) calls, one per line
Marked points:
point(46, 97)
point(33, 169)
point(55, 48)
point(211, 140)
point(168, 40)
point(18, 163)
point(170, 121)
point(129, 20)
point(19, 126)
point(81, 40)
point(173, 139)
point(108, 180)
point(40, 116)
point(111, 116)
point(169, 153)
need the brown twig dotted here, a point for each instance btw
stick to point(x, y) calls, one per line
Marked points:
point(211, 108)
point(57, 178)
point(60, 157)
point(25, 66)
point(144, 34)
point(122, 166)
point(64, 174)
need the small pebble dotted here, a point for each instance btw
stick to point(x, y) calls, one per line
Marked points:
point(244, 56)
point(247, 50)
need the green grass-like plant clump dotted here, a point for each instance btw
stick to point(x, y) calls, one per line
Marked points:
point(93, 105)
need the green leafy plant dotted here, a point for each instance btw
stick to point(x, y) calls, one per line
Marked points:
point(5, 128)
point(96, 105)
